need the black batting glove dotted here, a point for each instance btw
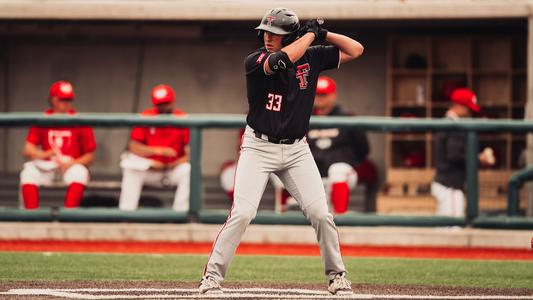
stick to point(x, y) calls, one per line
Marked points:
point(321, 37)
point(310, 26)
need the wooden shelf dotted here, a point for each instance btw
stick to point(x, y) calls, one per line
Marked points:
point(493, 66)
point(489, 72)
point(408, 72)
point(449, 71)
point(409, 137)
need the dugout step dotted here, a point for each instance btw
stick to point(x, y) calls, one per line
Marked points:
point(8, 214)
point(348, 219)
point(358, 219)
point(503, 222)
point(141, 215)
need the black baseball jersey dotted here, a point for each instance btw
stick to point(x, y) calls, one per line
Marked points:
point(332, 145)
point(280, 104)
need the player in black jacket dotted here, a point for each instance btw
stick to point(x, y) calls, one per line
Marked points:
point(450, 157)
point(281, 80)
point(337, 151)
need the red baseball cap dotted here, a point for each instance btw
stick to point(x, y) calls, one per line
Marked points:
point(465, 97)
point(162, 94)
point(62, 90)
point(325, 85)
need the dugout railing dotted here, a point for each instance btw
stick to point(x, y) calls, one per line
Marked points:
point(199, 122)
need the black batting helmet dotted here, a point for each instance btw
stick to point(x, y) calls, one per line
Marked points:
point(280, 21)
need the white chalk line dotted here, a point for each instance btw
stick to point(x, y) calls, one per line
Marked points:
point(229, 293)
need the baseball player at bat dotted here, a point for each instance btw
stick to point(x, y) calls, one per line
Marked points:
point(57, 151)
point(281, 80)
point(450, 157)
point(157, 155)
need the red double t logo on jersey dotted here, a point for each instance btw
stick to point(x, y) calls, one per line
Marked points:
point(302, 71)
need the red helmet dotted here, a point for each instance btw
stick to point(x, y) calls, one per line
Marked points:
point(325, 85)
point(62, 90)
point(465, 97)
point(162, 94)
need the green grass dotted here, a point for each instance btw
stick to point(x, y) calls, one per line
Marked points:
point(472, 273)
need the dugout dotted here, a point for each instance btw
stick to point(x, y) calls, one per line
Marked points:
point(114, 52)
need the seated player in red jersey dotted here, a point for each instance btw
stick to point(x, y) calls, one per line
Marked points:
point(157, 155)
point(57, 151)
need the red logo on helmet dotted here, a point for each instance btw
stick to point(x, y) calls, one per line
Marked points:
point(270, 19)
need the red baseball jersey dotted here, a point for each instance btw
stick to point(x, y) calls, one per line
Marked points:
point(67, 141)
point(174, 137)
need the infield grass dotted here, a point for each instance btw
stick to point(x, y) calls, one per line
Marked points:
point(389, 271)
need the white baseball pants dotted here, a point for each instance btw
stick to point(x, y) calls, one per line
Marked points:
point(295, 166)
point(134, 179)
point(450, 202)
point(33, 173)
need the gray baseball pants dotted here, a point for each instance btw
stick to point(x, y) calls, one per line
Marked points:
point(295, 166)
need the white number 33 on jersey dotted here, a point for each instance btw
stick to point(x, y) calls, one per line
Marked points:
point(274, 102)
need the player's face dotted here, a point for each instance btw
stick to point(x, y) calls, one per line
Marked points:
point(61, 105)
point(462, 111)
point(272, 41)
point(165, 108)
point(323, 101)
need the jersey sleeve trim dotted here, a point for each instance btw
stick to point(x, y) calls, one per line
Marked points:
point(265, 64)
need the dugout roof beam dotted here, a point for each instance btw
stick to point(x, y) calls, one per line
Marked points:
point(252, 9)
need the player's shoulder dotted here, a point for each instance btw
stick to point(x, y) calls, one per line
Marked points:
point(178, 112)
point(340, 111)
point(256, 57)
point(152, 111)
point(51, 111)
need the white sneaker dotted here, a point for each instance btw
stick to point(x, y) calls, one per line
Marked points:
point(340, 285)
point(209, 285)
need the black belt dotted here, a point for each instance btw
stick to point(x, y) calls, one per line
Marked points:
point(273, 139)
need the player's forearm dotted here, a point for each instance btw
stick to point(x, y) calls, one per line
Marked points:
point(350, 48)
point(297, 49)
point(31, 151)
point(86, 159)
point(182, 159)
point(140, 149)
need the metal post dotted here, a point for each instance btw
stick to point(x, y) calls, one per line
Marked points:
point(472, 186)
point(513, 190)
point(529, 113)
point(196, 171)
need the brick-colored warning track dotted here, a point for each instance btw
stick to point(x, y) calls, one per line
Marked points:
point(262, 249)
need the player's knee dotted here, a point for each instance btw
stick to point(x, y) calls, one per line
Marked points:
point(181, 172)
point(30, 174)
point(318, 212)
point(77, 173)
point(339, 172)
point(227, 177)
point(132, 173)
point(244, 214)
